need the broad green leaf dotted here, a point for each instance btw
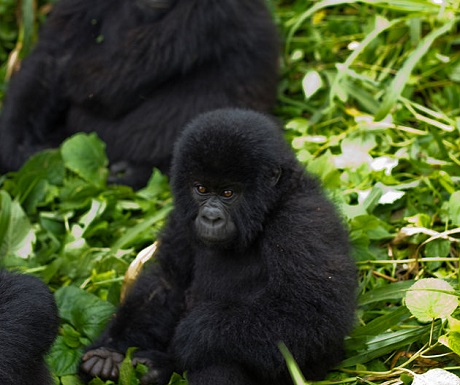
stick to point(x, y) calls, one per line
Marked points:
point(63, 359)
point(454, 324)
point(84, 154)
point(17, 234)
point(426, 303)
point(325, 169)
point(370, 225)
point(452, 341)
point(86, 312)
point(37, 179)
point(437, 248)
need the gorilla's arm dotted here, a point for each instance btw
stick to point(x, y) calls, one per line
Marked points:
point(28, 326)
point(33, 105)
point(147, 317)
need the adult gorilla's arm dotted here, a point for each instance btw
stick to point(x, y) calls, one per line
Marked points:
point(34, 103)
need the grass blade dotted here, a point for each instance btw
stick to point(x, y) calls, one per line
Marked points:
point(397, 85)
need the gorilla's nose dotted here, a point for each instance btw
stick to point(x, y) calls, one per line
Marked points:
point(212, 216)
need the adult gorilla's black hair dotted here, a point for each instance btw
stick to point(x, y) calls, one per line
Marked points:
point(135, 72)
point(253, 255)
point(28, 326)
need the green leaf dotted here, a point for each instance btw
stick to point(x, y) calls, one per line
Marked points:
point(453, 342)
point(131, 234)
point(70, 380)
point(17, 234)
point(437, 248)
point(425, 301)
point(35, 180)
point(84, 154)
point(86, 312)
point(370, 225)
point(325, 169)
point(393, 291)
point(383, 323)
point(127, 372)
point(385, 343)
point(63, 359)
point(177, 379)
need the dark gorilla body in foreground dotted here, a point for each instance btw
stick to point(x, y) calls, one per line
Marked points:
point(136, 72)
point(253, 254)
point(28, 326)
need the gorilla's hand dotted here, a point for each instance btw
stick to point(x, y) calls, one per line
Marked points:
point(103, 363)
point(153, 376)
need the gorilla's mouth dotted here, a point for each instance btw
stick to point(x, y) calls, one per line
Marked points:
point(214, 235)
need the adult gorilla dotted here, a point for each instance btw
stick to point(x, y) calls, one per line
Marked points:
point(28, 325)
point(253, 254)
point(135, 71)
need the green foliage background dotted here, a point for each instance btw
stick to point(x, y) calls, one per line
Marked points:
point(370, 97)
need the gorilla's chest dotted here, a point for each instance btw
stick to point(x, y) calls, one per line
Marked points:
point(223, 276)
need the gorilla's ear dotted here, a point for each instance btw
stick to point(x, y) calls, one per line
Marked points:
point(275, 177)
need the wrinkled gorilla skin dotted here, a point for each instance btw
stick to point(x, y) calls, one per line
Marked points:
point(135, 72)
point(218, 300)
point(28, 326)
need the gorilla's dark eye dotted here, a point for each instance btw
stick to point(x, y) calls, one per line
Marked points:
point(227, 193)
point(201, 189)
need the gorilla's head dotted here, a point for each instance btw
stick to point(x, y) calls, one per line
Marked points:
point(227, 175)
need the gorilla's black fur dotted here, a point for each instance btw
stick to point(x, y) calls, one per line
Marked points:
point(28, 326)
point(135, 71)
point(253, 254)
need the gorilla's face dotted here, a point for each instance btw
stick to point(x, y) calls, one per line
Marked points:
point(226, 176)
point(214, 224)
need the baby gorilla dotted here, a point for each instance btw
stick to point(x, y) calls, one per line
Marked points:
point(253, 255)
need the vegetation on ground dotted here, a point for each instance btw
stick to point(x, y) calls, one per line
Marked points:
point(370, 98)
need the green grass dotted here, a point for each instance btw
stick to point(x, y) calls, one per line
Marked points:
point(370, 96)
